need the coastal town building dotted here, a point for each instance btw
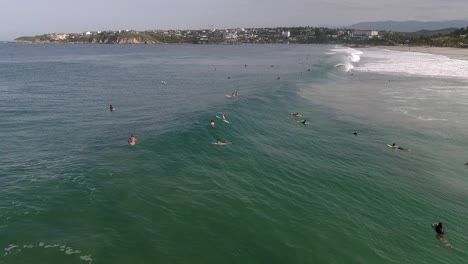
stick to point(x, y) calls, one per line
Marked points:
point(365, 33)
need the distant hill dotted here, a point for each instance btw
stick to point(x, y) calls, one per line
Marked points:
point(410, 26)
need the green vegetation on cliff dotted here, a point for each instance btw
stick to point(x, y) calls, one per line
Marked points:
point(443, 38)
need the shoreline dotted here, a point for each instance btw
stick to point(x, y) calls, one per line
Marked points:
point(427, 49)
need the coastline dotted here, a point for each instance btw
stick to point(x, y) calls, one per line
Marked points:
point(426, 49)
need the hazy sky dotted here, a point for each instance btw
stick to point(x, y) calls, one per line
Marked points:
point(31, 17)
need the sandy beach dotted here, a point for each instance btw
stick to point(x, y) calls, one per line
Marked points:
point(432, 50)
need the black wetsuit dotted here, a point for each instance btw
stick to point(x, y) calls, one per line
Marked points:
point(439, 229)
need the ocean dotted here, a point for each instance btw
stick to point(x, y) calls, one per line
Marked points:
point(74, 191)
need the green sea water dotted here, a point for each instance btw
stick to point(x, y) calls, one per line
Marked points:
point(74, 191)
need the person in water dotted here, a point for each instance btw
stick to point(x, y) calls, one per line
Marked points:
point(132, 139)
point(223, 117)
point(396, 147)
point(296, 114)
point(439, 228)
point(220, 142)
point(212, 123)
point(111, 108)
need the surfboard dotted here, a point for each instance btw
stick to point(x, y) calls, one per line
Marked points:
point(219, 144)
point(225, 120)
point(132, 143)
point(300, 121)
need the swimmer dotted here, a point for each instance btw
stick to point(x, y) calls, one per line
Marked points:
point(132, 140)
point(212, 123)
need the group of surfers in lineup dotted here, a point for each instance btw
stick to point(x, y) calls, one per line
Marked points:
point(438, 227)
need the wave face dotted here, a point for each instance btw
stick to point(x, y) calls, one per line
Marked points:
point(345, 57)
point(74, 192)
point(413, 64)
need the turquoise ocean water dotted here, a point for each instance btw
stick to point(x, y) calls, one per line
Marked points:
point(74, 191)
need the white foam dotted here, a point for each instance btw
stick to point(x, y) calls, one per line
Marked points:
point(350, 56)
point(67, 250)
point(413, 63)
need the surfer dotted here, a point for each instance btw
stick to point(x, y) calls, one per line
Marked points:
point(223, 117)
point(111, 108)
point(212, 123)
point(296, 114)
point(393, 146)
point(132, 140)
point(220, 142)
point(439, 228)
point(304, 121)
point(236, 94)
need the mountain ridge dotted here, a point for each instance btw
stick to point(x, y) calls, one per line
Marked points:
point(409, 25)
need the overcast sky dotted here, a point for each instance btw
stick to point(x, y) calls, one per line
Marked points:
point(31, 17)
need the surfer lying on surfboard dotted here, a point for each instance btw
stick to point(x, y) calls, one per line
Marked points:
point(440, 230)
point(219, 142)
point(393, 146)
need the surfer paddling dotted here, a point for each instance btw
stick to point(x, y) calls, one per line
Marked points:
point(440, 230)
point(219, 142)
point(393, 146)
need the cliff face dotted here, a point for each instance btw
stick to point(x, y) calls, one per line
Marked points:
point(95, 40)
point(119, 40)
